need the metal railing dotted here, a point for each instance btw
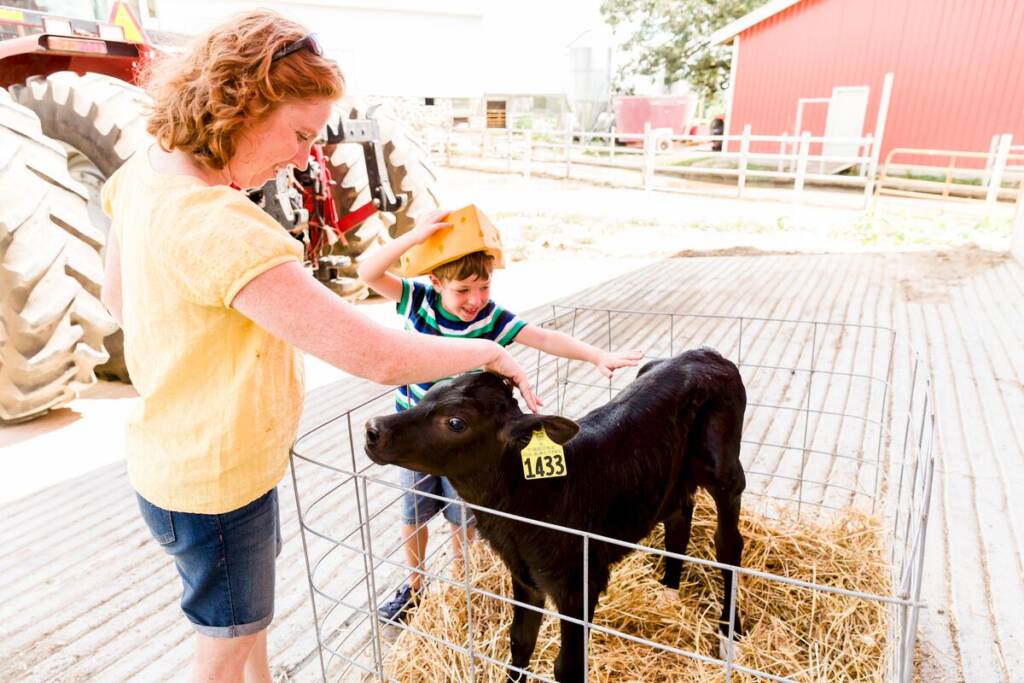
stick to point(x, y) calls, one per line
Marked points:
point(839, 416)
point(989, 187)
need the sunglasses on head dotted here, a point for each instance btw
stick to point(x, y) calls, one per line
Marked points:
point(310, 40)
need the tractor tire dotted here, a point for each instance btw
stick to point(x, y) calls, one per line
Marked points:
point(52, 324)
point(100, 121)
point(411, 174)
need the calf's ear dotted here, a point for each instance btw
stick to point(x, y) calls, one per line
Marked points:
point(559, 429)
point(650, 365)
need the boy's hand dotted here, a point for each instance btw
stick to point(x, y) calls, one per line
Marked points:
point(428, 224)
point(609, 361)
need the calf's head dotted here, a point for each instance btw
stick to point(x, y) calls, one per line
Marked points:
point(460, 427)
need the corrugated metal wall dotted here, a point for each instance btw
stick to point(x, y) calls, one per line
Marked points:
point(958, 65)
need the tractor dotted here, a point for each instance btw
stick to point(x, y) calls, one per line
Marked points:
point(70, 114)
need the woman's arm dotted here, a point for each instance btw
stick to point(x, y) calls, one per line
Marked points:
point(290, 304)
point(110, 294)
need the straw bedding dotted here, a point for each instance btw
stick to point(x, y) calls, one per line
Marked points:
point(791, 631)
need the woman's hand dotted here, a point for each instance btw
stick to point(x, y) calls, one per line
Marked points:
point(608, 362)
point(428, 224)
point(506, 366)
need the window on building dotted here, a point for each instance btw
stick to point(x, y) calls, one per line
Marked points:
point(495, 113)
point(429, 101)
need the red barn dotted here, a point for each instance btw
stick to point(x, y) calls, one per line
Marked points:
point(958, 70)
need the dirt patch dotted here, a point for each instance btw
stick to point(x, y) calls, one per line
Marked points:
point(732, 251)
point(924, 291)
point(561, 219)
point(959, 263)
point(929, 277)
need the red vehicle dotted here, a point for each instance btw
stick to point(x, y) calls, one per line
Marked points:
point(670, 113)
point(70, 115)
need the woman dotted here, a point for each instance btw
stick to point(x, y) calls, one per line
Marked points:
point(215, 304)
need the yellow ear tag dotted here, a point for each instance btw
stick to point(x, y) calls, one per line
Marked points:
point(543, 458)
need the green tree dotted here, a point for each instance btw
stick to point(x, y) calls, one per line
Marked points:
point(671, 36)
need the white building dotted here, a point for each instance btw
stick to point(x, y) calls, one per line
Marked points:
point(385, 47)
point(457, 54)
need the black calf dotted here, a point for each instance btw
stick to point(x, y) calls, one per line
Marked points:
point(631, 463)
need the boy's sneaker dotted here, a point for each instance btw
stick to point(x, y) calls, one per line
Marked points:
point(398, 607)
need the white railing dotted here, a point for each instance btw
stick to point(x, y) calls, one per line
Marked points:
point(656, 155)
point(657, 158)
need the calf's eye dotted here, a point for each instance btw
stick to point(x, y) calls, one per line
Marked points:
point(456, 424)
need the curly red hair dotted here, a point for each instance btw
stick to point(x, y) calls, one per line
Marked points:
point(204, 97)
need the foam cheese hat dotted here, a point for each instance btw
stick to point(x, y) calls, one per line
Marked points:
point(471, 231)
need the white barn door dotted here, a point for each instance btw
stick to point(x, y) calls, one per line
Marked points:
point(846, 111)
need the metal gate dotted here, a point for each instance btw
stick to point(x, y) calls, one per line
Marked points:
point(839, 418)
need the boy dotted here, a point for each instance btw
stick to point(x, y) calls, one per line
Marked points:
point(457, 304)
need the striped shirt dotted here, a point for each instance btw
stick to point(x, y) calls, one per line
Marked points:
point(421, 307)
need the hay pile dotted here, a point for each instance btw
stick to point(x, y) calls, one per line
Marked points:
point(795, 632)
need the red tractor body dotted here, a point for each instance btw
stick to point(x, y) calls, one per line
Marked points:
point(28, 48)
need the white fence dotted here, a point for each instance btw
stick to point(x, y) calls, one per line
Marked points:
point(658, 157)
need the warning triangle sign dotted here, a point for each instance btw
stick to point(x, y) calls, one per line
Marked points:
point(121, 14)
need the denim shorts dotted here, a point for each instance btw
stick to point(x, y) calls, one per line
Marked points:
point(418, 509)
point(226, 563)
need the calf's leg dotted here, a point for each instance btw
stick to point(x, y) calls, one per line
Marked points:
point(525, 627)
point(677, 540)
point(728, 550)
point(721, 439)
point(569, 663)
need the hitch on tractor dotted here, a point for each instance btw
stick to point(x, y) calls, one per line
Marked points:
point(304, 203)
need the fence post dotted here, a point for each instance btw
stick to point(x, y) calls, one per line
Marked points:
point(1017, 236)
point(801, 164)
point(611, 144)
point(528, 154)
point(428, 140)
point(483, 141)
point(993, 145)
point(741, 181)
point(508, 150)
point(567, 122)
point(871, 180)
point(864, 153)
point(868, 168)
point(782, 151)
point(878, 136)
point(648, 157)
point(448, 144)
point(995, 182)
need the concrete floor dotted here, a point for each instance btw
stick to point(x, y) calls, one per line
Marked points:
point(87, 596)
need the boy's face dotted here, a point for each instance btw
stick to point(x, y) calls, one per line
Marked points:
point(463, 298)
